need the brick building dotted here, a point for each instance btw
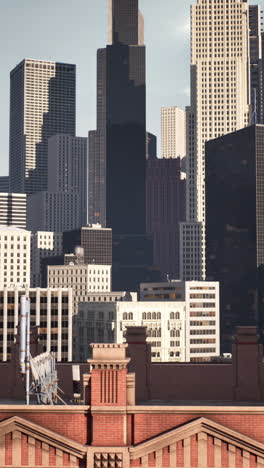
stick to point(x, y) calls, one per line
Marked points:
point(112, 428)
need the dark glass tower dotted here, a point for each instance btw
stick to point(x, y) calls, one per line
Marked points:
point(235, 226)
point(117, 149)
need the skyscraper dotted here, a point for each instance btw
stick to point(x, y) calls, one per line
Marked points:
point(220, 96)
point(67, 168)
point(173, 132)
point(42, 104)
point(234, 226)
point(117, 150)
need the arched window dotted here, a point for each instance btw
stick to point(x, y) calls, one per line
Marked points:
point(154, 316)
point(171, 354)
point(177, 316)
point(144, 316)
point(125, 316)
point(149, 316)
point(159, 333)
point(172, 315)
point(158, 316)
point(154, 333)
point(177, 334)
point(130, 316)
point(172, 333)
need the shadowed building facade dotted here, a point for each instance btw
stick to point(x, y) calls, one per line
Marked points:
point(235, 226)
point(165, 207)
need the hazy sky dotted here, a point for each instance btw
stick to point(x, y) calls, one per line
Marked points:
point(72, 30)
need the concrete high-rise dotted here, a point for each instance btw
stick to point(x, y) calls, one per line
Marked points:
point(117, 149)
point(220, 97)
point(234, 226)
point(67, 168)
point(173, 132)
point(42, 104)
point(13, 209)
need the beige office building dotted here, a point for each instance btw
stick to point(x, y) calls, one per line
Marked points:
point(50, 311)
point(83, 279)
point(173, 132)
point(220, 98)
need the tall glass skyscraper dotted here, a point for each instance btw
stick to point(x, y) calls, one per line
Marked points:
point(117, 149)
point(42, 104)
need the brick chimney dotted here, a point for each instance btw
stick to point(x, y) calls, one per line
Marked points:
point(140, 353)
point(247, 365)
point(112, 389)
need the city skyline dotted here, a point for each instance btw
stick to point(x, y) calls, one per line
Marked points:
point(166, 72)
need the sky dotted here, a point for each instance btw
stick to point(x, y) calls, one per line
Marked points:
point(72, 31)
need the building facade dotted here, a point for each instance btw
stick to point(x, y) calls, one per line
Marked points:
point(95, 241)
point(165, 209)
point(14, 257)
point(42, 104)
point(4, 184)
point(185, 329)
point(82, 278)
point(43, 245)
point(67, 168)
point(173, 132)
point(117, 149)
point(256, 65)
point(234, 239)
point(56, 211)
point(13, 209)
point(220, 97)
point(50, 311)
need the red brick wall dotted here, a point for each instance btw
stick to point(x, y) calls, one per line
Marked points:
point(73, 426)
point(108, 430)
point(151, 425)
point(108, 387)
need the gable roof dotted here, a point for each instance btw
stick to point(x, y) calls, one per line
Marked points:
point(200, 425)
point(43, 434)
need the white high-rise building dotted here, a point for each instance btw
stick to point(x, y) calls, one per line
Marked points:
point(173, 132)
point(42, 104)
point(13, 209)
point(53, 211)
point(67, 168)
point(14, 257)
point(43, 244)
point(182, 320)
point(220, 103)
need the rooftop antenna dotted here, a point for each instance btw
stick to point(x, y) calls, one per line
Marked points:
point(42, 367)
